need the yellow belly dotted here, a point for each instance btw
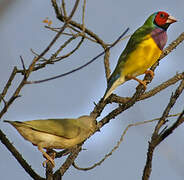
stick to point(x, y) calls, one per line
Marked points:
point(145, 55)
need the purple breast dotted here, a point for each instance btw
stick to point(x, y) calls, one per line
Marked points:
point(160, 37)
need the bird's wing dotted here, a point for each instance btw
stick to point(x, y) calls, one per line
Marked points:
point(67, 128)
point(135, 40)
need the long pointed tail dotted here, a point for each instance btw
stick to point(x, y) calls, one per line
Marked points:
point(112, 85)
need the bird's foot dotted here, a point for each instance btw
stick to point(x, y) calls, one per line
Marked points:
point(48, 160)
point(144, 82)
point(150, 72)
point(49, 155)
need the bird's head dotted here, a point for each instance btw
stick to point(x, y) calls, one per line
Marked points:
point(160, 19)
point(163, 19)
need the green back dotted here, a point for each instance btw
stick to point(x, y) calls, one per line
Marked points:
point(137, 37)
point(68, 128)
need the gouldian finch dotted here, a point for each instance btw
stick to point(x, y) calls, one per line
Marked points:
point(55, 133)
point(141, 52)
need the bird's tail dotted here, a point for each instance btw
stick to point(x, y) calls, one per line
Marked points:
point(13, 123)
point(10, 122)
point(113, 83)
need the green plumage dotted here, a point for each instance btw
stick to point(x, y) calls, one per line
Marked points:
point(141, 52)
point(137, 37)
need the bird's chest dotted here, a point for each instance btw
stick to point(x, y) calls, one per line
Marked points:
point(142, 58)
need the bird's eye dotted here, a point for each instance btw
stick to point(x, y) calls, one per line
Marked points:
point(162, 15)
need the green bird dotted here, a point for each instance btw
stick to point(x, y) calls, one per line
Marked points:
point(55, 133)
point(142, 51)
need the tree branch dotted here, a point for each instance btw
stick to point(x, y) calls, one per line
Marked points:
point(155, 139)
point(19, 157)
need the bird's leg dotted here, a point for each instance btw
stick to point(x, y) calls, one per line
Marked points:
point(51, 153)
point(144, 83)
point(49, 158)
point(150, 72)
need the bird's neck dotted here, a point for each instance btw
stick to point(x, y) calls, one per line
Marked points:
point(160, 37)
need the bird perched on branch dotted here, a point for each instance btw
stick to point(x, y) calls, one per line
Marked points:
point(142, 51)
point(55, 133)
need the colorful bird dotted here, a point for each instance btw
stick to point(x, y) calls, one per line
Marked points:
point(55, 133)
point(142, 51)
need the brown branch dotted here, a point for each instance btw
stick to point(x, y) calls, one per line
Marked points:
point(99, 107)
point(31, 66)
point(8, 84)
point(3, 138)
point(169, 49)
point(166, 51)
point(78, 31)
point(120, 141)
point(69, 161)
point(81, 34)
point(123, 107)
point(83, 15)
point(64, 8)
point(155, 139)
point(71, 52)
point(81, 67)
point(170, 130)
point(114, 148)
point(54, 57)
point(152, 92)
point(77, 25)
point(49, 166)
point(173, 45)
point(169, 106)
point(19, 157)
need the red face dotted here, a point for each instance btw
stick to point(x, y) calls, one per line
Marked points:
point(161, 18)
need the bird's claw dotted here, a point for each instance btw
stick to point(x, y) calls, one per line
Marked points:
point(150, 72)
point(144, 83)
point(46, 161)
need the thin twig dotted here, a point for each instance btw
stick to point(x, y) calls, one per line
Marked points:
point(81, 67)
point(170, 130)
point(4, 101)
point(119, 142)
point(152, 92)
point(77, 25)
point(3, 138)
point(155, 139)
point(8, 84)
point(70, 159)
point(71, 52)
point(169, 106)
point(83, 15)
point(19, 157)
point(64, 8)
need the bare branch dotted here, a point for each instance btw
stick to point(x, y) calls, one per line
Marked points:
point(19, 157)
point(155, 139)
point(119, 142)
point(152, 92)
point(3, 138)
point(69, 161)
point(169, 106)
point(79, 68)
point(170, 130)
point(64, 8)
point(83, 15)
point(8, 84)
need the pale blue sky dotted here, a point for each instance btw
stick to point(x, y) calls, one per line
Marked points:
point(72, 96)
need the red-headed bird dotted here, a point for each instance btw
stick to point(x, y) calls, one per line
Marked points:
point(142, 51)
